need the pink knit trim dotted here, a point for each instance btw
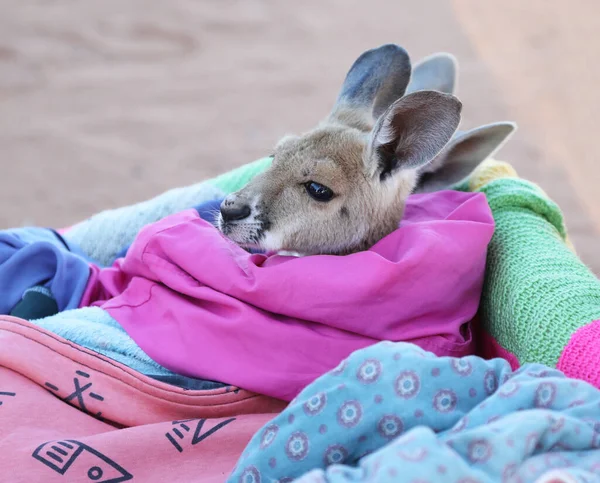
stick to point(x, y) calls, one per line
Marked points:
point(489, 348)
point(580, 358)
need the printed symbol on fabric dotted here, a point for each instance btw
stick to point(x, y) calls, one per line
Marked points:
point(490, 382)
point(508, 389)
point(543, 373)
point(556, 423)
point(556, 460)
point(460, 425)
point(412, 454)
point(592, 423)
point(390, 426)
point(369, 371)
point(510, 472)
point(479, 451)
point(80, 462)
point(335, 454)
point(444, 401)
point(80, 393)
point(315, 404)
point(461, 367)
point(545, 394)
point(349, 414)
point(297, 446)
point(341, 367)
point(184, 429)
point(250, 475)
point(407, 384)
point(268, 436)
point(493, 419)
point(531, 443)
point(4, 394)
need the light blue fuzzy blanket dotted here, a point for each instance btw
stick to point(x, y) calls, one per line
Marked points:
point(393, 412)
point(95, 329)
point(107, 233)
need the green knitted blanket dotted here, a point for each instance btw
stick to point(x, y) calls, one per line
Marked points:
point(537, 292)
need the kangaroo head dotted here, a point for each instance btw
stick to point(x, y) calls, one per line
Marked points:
point(342, 186)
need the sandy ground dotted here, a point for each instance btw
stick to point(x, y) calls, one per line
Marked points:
point(106, 103)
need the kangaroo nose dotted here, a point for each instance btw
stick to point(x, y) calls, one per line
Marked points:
point(234, 213)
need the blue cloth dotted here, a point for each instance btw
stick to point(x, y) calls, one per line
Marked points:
point(393, 412)
point(31, 257)
point(95, 329)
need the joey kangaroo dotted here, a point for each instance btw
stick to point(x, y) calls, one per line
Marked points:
point(342, 186)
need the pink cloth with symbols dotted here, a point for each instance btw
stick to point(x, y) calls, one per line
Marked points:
point(68, 414)
point(202, 306)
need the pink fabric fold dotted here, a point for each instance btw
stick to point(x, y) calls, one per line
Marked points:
point(202, 306)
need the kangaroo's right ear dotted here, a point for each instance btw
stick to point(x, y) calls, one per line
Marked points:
point(438, 72)
point(462, 155)
point(375, 81)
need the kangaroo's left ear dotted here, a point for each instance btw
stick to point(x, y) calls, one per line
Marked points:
point(462, 155)
point(376, 79)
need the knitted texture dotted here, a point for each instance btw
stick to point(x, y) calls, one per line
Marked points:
point(537, 293)
point(581, 357)
point(490, 170)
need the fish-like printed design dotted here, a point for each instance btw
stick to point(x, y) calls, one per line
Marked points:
point(80, 462)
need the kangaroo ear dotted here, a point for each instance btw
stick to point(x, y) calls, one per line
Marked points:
point(462, 155)
point(412, 131)
point(438, 72)
point(376, 79)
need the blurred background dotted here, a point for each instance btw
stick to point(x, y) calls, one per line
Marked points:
point(107, 103)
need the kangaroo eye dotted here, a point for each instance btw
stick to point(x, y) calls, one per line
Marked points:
point(318, 191)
